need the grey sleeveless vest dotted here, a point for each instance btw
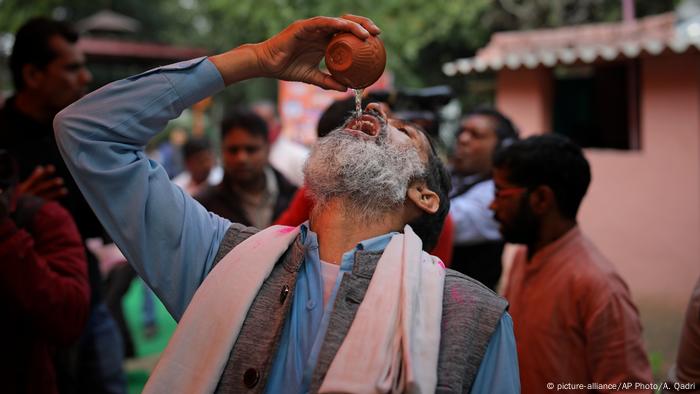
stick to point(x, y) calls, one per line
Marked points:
point(471, 312)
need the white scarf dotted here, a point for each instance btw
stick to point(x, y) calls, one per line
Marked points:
point(392, 345)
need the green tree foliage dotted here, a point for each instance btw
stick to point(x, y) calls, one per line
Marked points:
point(408, 25)
point(419, 35)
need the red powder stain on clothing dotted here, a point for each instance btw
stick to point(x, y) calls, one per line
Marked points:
point(457, 296)
point(286, 230)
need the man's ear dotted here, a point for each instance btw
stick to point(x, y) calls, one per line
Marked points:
point(425, 199)
point(32, 75)
point(542, 199)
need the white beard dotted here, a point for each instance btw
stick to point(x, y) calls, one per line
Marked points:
point(370, 177)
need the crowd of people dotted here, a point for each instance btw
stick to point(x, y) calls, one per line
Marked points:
point(379, 272)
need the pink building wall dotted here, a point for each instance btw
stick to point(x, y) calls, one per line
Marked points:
point(526, 96)
point(643, 207)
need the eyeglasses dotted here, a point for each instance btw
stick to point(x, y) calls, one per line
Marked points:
point(508, 191)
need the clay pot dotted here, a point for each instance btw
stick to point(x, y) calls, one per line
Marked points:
point(354, 62)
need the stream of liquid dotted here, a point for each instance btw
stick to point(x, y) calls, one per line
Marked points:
point(358, 102)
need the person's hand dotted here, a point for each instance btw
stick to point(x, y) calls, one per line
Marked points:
point(43, 183)
point(293, 54)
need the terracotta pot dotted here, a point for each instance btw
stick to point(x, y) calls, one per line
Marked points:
point(354, 62)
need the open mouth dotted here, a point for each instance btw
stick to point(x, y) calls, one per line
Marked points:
point(367, 124)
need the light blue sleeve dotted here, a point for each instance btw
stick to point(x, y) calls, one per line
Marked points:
point(169, 238)
point(498, 373)
point(473, 220)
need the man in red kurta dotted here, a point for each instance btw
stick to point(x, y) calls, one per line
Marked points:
point(573, 315)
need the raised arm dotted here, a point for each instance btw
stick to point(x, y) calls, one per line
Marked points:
point(168, 237)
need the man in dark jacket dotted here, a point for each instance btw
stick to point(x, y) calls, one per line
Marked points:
point(252, 192)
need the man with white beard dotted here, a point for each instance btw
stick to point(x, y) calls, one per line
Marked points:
point(347, 302)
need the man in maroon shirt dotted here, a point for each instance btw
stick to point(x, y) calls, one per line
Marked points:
point(575, 324)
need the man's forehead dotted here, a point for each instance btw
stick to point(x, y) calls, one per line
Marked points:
point(501, 176)
point(65, 50)
point(483, 122)
point(243, 134)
